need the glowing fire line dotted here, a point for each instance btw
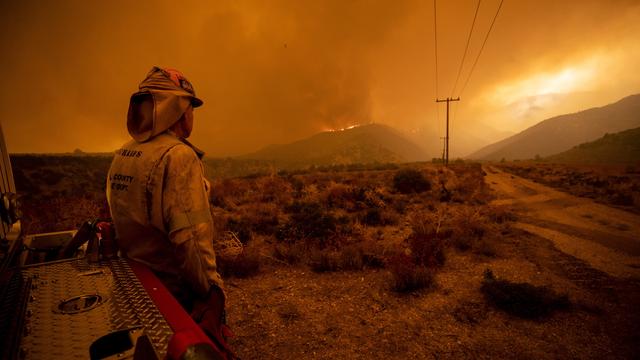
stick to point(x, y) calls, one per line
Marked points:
point(343, 129)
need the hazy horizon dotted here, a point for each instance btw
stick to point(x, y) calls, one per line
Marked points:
point(280, 72)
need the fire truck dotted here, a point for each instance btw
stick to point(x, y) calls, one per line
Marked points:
point(68, 295)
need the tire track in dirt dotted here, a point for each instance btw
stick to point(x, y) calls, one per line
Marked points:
point(594, 235)
point(545, 254)
point(603, 238)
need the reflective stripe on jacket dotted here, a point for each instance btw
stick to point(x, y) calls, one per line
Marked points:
point(158, 199)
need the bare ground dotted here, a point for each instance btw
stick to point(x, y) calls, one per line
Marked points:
point(289, 312)
point(605, 237)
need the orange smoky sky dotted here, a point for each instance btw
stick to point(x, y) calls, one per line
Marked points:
point(277, 71)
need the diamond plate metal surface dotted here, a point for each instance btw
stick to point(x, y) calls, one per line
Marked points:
point(125, 304)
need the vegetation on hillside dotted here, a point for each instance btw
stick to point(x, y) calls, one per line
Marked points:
point(341, 220)
point(618, 148)
point(60, 192)
point(613, 185)
point(360, 144)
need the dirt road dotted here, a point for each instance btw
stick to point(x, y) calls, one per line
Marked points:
point(607, 238)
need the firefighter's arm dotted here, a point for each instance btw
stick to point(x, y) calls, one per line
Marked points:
point(187, 219)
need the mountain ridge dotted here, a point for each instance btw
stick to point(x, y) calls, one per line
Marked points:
point(361, 144)
point(562, 132)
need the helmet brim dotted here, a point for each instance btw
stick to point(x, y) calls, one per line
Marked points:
point(195, 102)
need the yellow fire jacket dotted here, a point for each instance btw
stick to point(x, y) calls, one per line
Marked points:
point(158, 198)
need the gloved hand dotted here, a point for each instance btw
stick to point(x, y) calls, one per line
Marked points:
point(210, 316)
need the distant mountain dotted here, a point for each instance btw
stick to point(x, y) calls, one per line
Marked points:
point(361, 144)
point(562, 132)
point(464, 138)
point(622, 147)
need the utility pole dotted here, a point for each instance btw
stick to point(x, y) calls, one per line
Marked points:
point(447, 100)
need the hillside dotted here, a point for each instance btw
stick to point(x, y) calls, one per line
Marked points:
point(562, 132)
point(622, 147)
point(60, 191)
point(362, 144)
point(55, 175)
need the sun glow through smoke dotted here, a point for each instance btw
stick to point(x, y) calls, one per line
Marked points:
point(569, 79)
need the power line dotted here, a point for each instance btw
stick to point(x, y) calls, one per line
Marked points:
point(435, 35)
point(466, 48)
point(481, 48)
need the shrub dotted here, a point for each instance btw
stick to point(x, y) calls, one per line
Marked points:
point(622, 199)
point(51, 177)
point(406, 276)
point(371, 197)
point(59, 213)
point(352, 258)
point(373, 254)
point(408, 181)
point(227, 193)
point(469, 227)
point(630, 169)
point(427, 249)
point(340, 196)
point(352, 198)
point(372, 217)
point(245, 265)
point(427, 240)
point(274, 189)
point(444, 194)
point(471, 188)
point(486, 248)
point(522, 299)
point(373, 260)
point(262, 218)
point(308, 221)
point(241, 228)
point(324, 261)
point(24, 182)
point(289, 253)
point(500, 214)
point(296, 184)
point(400, 204)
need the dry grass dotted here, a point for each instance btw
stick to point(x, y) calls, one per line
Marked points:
point(353, 258)
point(61, 213)
point(324, 261)
point(407, 276)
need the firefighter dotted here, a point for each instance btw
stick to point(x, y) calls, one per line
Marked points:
point(158, 198)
